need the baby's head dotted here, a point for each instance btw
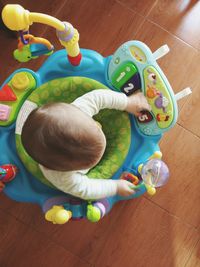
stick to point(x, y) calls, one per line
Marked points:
point(61, 137)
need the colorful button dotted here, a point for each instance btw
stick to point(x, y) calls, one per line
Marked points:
point(158, 102)
point(132, 85)
point(130, 178)
point(117, 60)
point(7, 94)
point(145, 117)
point(165, 102)
point(147, 131)
point(138, 54)
point(152, 92)
point(161, 102)
point(152, 76)
point(20, 81)
point(4, 112)
point(162, 117)
point(123, 73)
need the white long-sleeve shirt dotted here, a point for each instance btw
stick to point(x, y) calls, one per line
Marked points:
point(77, 183)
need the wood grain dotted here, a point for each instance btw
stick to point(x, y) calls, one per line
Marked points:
point(181, 196)
point(143, 7)
point(194, 261)
point(147, 236)
point(179, 17)
point(190, 114)
point(22, 246)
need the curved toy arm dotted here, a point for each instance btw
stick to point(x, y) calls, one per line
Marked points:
point(37, 40)
point(16, 18)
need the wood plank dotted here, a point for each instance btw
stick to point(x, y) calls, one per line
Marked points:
point(190, 114)
point(143, 7)
point(22, 246)
point(28, 213)
point(194, 261)
point(147, 236)
point(180, 18)
point(181, 196)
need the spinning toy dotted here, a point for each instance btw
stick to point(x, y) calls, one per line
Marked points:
point(7, 174)
point(132, 151)
point(33, 48)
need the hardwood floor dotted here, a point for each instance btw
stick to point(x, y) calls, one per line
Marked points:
point(162, 231)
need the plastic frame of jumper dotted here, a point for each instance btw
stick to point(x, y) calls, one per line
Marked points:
point(132, 67)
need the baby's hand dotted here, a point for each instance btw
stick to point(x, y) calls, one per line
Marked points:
point(136, 103)
point(124, 188)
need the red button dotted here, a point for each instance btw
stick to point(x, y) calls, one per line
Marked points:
point(145, 117)
point(7, 94)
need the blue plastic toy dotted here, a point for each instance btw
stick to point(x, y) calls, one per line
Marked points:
point(132, 67)
point(33, 48)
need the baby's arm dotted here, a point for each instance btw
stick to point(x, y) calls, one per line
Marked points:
point(92, 102)
point(86, 188)
point(81, 186)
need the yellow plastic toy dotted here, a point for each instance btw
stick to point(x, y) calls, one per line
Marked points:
point(16, 18)
point(58, 215)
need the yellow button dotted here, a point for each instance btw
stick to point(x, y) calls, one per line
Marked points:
point(20, 81)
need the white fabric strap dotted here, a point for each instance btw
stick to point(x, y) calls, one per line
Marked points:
point(161, 52)
point(183, 93)
point(24, 112)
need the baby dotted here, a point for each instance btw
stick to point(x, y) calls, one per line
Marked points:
point(67, 142)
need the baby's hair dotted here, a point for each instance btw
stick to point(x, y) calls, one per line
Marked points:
point(61, 137)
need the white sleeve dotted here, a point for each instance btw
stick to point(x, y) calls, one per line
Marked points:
point(91, 103)
point(79, 185)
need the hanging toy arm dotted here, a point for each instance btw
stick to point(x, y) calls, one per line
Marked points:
point(16, 18)
point(36, 40)
point(69, 38)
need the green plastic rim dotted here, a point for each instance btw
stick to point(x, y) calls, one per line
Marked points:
point(115, 125)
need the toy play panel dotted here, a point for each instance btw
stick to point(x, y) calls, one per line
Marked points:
point(13, 93)
point(133, 67)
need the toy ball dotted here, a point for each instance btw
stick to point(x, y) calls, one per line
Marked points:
point(155, 173)
point(8, 172)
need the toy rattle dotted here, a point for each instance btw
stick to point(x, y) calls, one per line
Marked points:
point(16, 18)
point(7, 174)
point(34, 47)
